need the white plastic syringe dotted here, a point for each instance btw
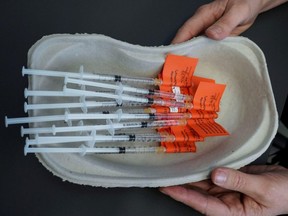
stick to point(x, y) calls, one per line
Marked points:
point(68, 92)
point(92, 76)
point(111, 127)
point(119, 98)
point(124, 88)
point(157, 137)
point(118, 115)
point(123, 97)
point(84, 105)
point(33, 93)
point(96, 150)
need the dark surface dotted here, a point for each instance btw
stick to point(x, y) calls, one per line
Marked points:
point(26, 187)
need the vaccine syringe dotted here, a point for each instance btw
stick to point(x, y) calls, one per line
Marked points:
point(69, 92)
point(83, 149)
point(124, 88)
point(118, 116)
point(95, 150)
point(110, 127)
point(83, 104)
point(91, 76)
point(110, 150)
point(154, 137)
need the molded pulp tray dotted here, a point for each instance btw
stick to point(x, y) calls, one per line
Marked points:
point(247, 111)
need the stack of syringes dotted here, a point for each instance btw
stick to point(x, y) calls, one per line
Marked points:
point(170, 112)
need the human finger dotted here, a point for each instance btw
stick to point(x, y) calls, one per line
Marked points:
point(201, 202)
point(231, 23)
point(249, 184)
point(205, 16)
point(204, 184)
point(258, 169)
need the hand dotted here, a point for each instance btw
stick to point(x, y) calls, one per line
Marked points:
point(222, 18)
point(255, 190)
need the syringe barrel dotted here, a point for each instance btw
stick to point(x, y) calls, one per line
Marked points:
point(170, 95)
point(167, 116)
point(142, 80)
point(152, 138)
point(171, 103)
point(98, 150)
point(166, 123)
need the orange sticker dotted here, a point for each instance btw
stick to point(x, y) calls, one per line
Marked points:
point(164, 130)
point(179, 147)
point(196, 80)
point(185, 134)
point(203, 114)
point(207, 127)
point(178, 70)
point(166, 88)
point(207, 96)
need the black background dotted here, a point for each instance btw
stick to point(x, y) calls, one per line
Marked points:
point(26, 187)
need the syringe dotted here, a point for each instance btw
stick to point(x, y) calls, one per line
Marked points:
point(124, 88)
point(91, 76)
point(96, 150)
point(68, 92)
point(118, 115)
point(157, 137)
point(83, 104)
point(123, 97)
point(111, 127)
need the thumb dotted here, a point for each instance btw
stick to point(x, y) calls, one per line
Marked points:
point(226, 24)
point(249, 184)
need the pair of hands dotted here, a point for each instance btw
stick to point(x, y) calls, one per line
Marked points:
point(253, 190)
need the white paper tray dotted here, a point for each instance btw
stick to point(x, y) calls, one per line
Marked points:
point(247, 109)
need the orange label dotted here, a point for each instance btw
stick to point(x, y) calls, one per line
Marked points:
point(178, 70)
point(164, 130)
point(179, 147)
point(203, 114)
point(185, 134)
point(196, 80)
point(207, 96)
point(166, 88)
point(207, 127)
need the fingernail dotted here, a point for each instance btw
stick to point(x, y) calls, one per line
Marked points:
point(215, 32)
point(220, 178)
